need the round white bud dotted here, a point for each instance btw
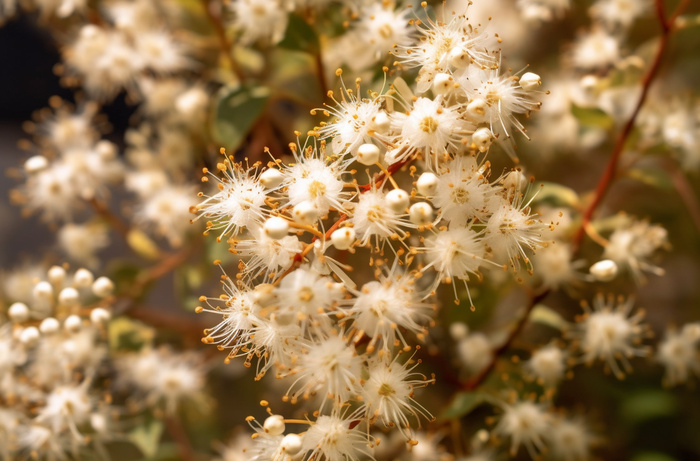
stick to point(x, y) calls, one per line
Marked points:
point(271, 178)
point(29, 336)
point(18, 312)
point(191, 101)
point(530, 81)
point(72, 324)
point(305, 213)
point(106, 150)
point(398, 200)
point(482, 138)
point(274, 425)
point(459, 331)
point(35, 164)
point(49, 326)
point(102, 287)
point(291, 444)
point(477, 107)
point(381, 123)
point(442, 83)
point(276, 228)
point(458, 57)
point(100, 316)
point(343, 238)
point(515, 180)
point(56, 275)
point(98, 422)
point(604, 270)
point(43, 290)
point(68, 297)
point(421, 213)
point(427, 184)
point(83, 278)
point(589, 82)
point(368, 154)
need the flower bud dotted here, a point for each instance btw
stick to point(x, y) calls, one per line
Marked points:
point(102, 287)
point(477, 107)
point(56, 275)
point(442, 83)
point(68, 297)
point(291, 444)
point(264, 294)
point(271, 178)
point(427, 184)
point(305, 213)
point(482, 138)
point(605, 270)
point(459, 331)
point(274, 425)
point(421, 213)
point(458, 57)
point(29, 336)
point(398, 200)
point(43, 291)
point(49, 326)
point(368, 154)
point(18, 312)
point(83, 278)
point(106, 150)
point(529, 81)
point(100, 316)
point(35, 164)
point(276, 228)
point(72, 324)
point(381, 122)
point(343, 238)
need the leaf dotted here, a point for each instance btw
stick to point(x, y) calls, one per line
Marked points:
point(556, 195)
point(300, 36)
point(652, 456)
point(652, 177)
point(648, 404)
point(127, 334)
point(592, 117)
point(546, 316)
point(236, 112)
point(143, 245)
point(464, 403)
point(147, 437)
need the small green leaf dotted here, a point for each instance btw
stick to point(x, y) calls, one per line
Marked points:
point(592, 117)
point(147, 437)
point(300, 36)
point(143, 245)
point(652, 177)
point(648, 404)
point(127, 334)
point(546, 316)
point(652, 456)
point(464, 403)
point(555, 195)
point(236, 112)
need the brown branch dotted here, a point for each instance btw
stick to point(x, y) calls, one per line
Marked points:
point(224, 43)
point(105, 213)
point(611, 168)
point(177, 432)
point(497, 353)
point(321, 74)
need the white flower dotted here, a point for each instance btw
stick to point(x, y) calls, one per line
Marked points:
point(569, 439)
point(475, 352)
point(525, 423)
point(462, 192)
point(633, 243)
point(167, 212)
point(547, 365)
point(81, 242)
point(374, 217)
point(259, 20)
point(679, 354)
point(595, 49)
point(311, 179)
point(618, 13)
point(330, 438)
point(382, 28)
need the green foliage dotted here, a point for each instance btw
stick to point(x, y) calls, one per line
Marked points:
point(236, 111)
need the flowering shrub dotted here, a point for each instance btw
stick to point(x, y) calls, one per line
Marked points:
point(384, 255)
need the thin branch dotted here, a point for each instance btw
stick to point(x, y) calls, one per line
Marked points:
point(224, 43)
point(667, 27)
point(105, 213)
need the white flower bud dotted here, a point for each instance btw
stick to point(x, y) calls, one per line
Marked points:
point(482, 138)
point(427, 184)
point(459, 331)
point(102, 287)
point(29, 336)
point(100, 316)
point(421, 213)
point(98, 422)
point(343, 238)
point(530, 81)
point(604, 270)
point(191, 101)
point(35, 164)
point(274, 425)
point(398, 200)
point(458, 57)
point(56, 275)
point(18, 312)
point(68, 297)
point(291, 444)
point(276, 228)
point(589, 82)
point(477, 107)
point(515, 180)
point(368, 154)
point(271, 178)
point(442, 83)
point(49, 326)
point(72, 324)
point(381, 122)
point(305, 213)
point(83, 278)
point(43, 291)
point(106, 150)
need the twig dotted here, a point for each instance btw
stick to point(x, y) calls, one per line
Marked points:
point(105, 213)
point(177, 432)
point(667, 26)
point(517, 328)
point(224, 43)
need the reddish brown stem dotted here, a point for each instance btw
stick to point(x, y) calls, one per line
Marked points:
point(611, 168)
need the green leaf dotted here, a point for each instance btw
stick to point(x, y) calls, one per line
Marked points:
point(236, 112)
point(546, 316)
point(556, 195)
point(127, 334)
point(648, 404)
point(143, 245)
point(592, 117)
point(656, 177)
point(300, 36)
point(464, 403)
point(652, 456)
point(147, 437)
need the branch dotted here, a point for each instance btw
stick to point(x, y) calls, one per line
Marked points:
point(105, 213)
point(667, 27)
point(177, 432)
point(224, 43)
